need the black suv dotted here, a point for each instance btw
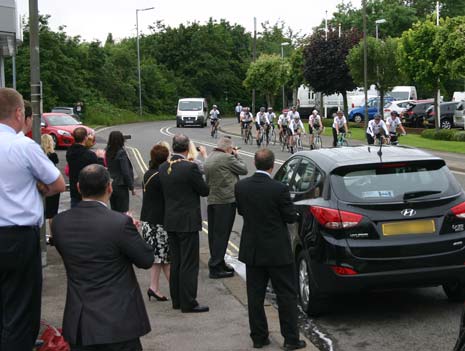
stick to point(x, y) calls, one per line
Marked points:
point(415, 114)
point(370, 220)
point(447, 115)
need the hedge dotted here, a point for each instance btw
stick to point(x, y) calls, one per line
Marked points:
point(444, 134)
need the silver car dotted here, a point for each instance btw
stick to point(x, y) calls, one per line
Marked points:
point(459, 115)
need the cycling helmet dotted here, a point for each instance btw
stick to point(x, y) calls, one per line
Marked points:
point(377, 116)
point(262, 109)
point(296, 117)
point(270, 108)
point(394, 113)
point(315, 112)
point(214, 106)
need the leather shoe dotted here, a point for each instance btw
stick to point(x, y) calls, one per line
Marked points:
point(260, 344)
point(196, 309)
point(227, 268)
point(221, 274)
point(299, 345)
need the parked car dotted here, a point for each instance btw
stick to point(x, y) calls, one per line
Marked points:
point(68, 110)
point(396, 105)
point(61, 127)
point(368, 221)
point(458, 96)
point(459, 116)
point(415, 113)
point(447, 110)
point(358, 114)
point(403, 92)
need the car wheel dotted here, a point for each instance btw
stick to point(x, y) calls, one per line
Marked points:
point(358, 118)
point(455, 291)
point(55, 141)
point(309, 298)
point(446, 124)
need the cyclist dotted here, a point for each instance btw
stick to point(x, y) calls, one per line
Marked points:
point(296, 127)
point(393, 122)
point(246, 119)
point(315, 125)
point(271, 117)
point(292, 113)
point(283, 123)
point(214, 118)
point(339, 126)
point(376, 130)
point(261, 120)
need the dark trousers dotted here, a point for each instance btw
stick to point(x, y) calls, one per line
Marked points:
point(283, 280)
point(238, 116)
point(184, 270)
point(119, 200)
point(20, 287)
point(220, 223)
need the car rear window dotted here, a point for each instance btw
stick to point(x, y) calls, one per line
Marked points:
point(394, 182)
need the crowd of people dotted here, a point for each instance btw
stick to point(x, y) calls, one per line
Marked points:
point(99, 243)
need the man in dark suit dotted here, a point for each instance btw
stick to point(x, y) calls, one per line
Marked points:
point(182, 185)
point(265, 249)
point(104, 307)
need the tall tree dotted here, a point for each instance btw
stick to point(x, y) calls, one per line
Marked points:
point(325, 67)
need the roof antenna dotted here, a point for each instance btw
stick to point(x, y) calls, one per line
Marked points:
point(380, 151)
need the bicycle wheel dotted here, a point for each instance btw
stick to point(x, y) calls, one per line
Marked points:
point(345, 143)
point(250, 137)
point(317, 143)
point(273, 137)
point(299, 146)
point(284, 143)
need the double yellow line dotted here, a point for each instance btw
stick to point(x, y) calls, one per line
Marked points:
point(232, 250)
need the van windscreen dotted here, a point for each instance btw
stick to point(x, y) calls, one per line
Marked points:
point(190, 105)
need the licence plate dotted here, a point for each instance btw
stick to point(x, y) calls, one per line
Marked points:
point(189, 121)
point(409, 227)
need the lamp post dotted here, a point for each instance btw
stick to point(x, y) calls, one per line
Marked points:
point(138, 56)
point(282, 58)
point(378, 22)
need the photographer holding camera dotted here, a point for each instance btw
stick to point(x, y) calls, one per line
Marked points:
point(222, 170)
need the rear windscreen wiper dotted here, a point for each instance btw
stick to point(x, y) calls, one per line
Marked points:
point(415, 194)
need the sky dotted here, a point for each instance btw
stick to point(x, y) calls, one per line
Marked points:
point(94, 19)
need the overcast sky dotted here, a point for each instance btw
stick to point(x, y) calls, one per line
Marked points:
point(94, 19)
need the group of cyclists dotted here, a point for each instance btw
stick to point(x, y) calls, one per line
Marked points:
point(291, 127)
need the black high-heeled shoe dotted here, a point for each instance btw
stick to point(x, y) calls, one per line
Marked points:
point(151, 293)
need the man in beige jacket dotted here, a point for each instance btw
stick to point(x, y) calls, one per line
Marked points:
point(222, 170)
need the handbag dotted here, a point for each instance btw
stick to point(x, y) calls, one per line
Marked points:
point(53, 339)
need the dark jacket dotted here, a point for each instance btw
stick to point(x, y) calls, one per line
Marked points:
point(266, 207)
point(99, 247)
point(182, 185)
point(78, 156)
point(120, 168)
point(153, 203)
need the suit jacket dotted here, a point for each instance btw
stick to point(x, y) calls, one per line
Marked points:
point(266, 207)
point(121, 171)
point(99, 247)
point(182, 185)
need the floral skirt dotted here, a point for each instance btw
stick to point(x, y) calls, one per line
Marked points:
point(157, 237)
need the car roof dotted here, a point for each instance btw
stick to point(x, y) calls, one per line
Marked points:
point(192, 99)
point(332, 158)
point(49, 114)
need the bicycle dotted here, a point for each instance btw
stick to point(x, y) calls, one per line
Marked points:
point(285, 141)
point(261, 136)
point(394, 139)
point(248, 138)
point(298, 143)
point(342, 140)
point(317, 141)
point(272, 136)
point(214, 132)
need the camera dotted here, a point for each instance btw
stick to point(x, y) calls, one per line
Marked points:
point(127, 137)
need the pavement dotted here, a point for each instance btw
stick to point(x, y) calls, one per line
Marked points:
point(225, 327)
point(453, 160)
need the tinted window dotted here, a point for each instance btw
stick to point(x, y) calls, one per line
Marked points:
point(390, 182)
point(190, 105)
point(303, 178)
point(61, 120)
point(286, 172)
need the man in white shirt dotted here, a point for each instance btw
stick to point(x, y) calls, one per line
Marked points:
point(393, 122)
point(376, 130)
point(238, 110)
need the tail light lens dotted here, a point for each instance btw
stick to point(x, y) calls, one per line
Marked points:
point(459, 210)
point(335, 219)
point(353, 105)
point(343, 270)
point(387, 110)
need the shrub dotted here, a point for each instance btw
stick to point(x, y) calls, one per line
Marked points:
point(443, 134)
point(459, 136)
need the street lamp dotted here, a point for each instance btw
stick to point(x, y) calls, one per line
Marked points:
point(138, 56)
point(378, 22)
point(282, 58)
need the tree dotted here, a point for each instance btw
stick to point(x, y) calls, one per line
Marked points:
point(325, 67)
point(381, 66)
point(266, 75)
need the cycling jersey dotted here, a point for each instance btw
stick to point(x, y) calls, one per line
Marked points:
point(296, 124)
point(291, 114)
point(262, 118)
point(375, 128)
point(283, 120)
point(246, 117)
point(214, 114)
point(314, 121)
point(393, 124)
point(340, 122)
point(271, 117)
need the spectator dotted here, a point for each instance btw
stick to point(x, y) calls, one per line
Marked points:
point(265, 249)
point(121, 172)
point(104, 306)
point(27, 118)
point(222, 170)
point(51, 202)
point(26, 172)
point(193, 155)
point(182, 185)
point(238, 110)
point(151, 216)
point(78, 156)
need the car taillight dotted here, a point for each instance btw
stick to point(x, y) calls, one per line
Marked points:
point(353, 105)
point(343, 270)
point(459, 210)
point(335, 219)
point(387, 110)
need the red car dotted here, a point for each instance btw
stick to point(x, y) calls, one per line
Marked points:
point(61, 126)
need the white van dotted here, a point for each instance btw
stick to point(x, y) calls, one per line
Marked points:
point(191, 112)
point(458, 96)
point(404, 92)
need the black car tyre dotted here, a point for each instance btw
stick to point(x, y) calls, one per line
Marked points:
point(446, 124)
point(309, 298)
point(455, 291)
point(358, 118)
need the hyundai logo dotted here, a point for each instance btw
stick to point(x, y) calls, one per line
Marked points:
point(408, 212)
